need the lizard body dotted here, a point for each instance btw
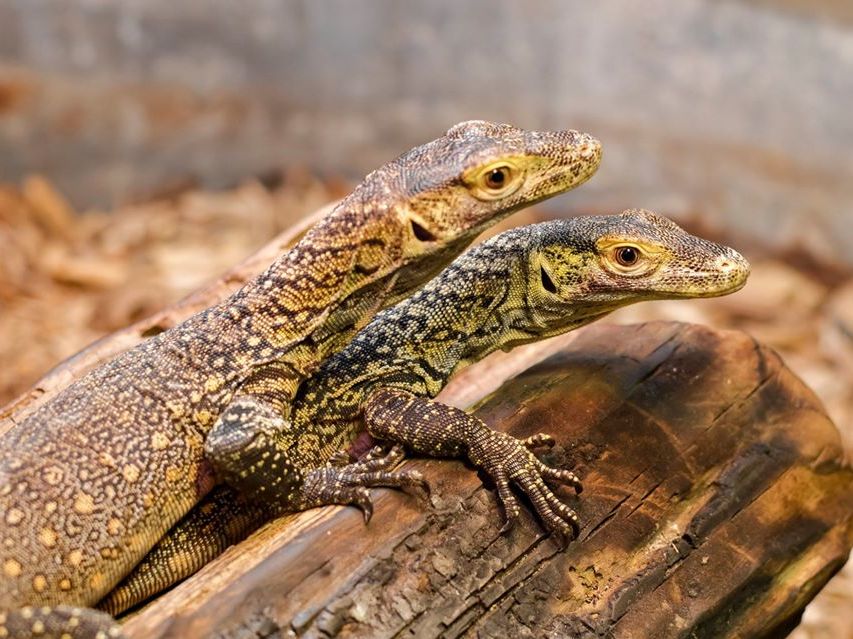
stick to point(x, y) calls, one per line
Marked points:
point(526, 284)
point(95, 477)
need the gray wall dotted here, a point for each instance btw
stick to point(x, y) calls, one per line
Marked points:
point(736, 111)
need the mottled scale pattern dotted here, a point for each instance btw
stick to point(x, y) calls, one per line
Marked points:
point(523, 285)
point(96, 476)
point(530, 165)
point(179, 552)
point(59, 622)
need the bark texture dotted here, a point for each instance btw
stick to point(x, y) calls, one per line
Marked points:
point(717, 502)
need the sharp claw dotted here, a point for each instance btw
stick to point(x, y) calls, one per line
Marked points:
point(569, 525)
point(564, 530)
point(362, 500)
point(563, 476)
point(562, 539)
point(421, 485)
point(573, 481)
point(539, 440)
point(509, 524)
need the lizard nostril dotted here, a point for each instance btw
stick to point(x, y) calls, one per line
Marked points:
point(590, 148)
point(725, 264)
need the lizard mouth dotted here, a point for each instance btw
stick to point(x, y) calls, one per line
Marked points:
point(734, 287)
point(728, 274)
point(700, 292)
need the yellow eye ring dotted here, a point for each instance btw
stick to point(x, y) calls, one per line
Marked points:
point(628, 259)
point(494, 181)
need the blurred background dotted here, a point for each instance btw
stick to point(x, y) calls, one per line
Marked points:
point(148, 145)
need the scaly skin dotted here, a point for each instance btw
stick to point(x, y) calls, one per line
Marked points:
point(523, 285)
point(94, 478)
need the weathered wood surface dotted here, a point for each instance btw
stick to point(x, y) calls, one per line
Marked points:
point(717, 502)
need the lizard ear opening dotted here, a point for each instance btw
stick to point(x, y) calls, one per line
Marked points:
point(547, 282)
point(421, 233)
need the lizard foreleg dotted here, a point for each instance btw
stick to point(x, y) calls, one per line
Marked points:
point(256, 450)
point(430, 428)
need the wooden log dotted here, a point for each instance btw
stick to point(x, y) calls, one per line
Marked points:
point(717, 502)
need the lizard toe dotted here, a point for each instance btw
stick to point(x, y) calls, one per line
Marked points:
point(509, 503)
point(340, 458)
point(406, 480)
point(559, 475)
point(539, 440)
point(360, 498)
point(379, 459)
point(554, 515)
point(377, 452)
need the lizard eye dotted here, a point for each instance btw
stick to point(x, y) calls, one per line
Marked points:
point(497, 178)
point(494, 181)
point(628, 259)
point(626, 255)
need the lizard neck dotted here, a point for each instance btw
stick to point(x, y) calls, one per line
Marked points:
point(297, 293)
point(342, 271)
point(418, 344)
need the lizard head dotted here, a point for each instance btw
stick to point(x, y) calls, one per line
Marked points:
point(447, 191)
point(582, 268)
point(411, 217)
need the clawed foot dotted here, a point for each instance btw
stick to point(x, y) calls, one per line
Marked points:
point(509, 460)
point(345, 482)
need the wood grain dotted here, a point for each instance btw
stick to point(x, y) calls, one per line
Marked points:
point(717, 503)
